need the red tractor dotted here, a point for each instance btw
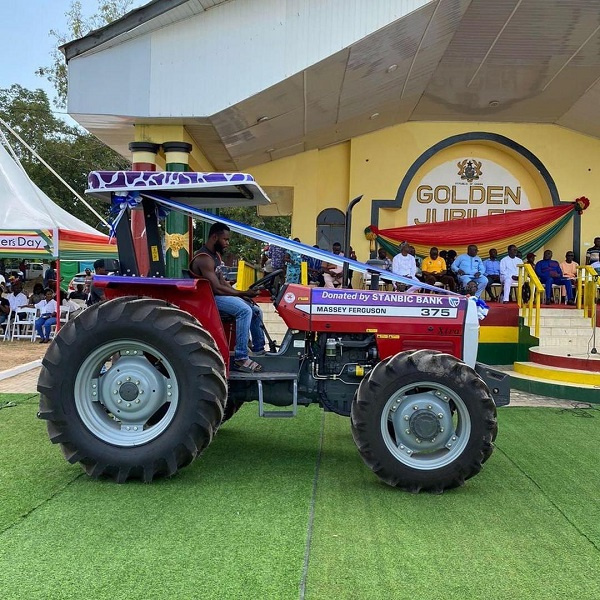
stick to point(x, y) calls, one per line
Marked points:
point(138, 386)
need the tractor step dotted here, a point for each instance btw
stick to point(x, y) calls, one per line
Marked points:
point(270, 376)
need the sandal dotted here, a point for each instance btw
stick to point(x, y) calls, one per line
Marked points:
point(246, 366)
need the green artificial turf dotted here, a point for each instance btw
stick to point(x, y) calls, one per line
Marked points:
point(527, 527)
point(235, 524)
point(232, 525)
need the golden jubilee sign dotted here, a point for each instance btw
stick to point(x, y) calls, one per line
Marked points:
point(466, 188)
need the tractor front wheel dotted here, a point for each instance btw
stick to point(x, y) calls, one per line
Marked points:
point(132, 388)
point(423, 420)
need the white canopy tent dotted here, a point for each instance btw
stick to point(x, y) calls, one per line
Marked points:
point(24, 207)
point(32, 226)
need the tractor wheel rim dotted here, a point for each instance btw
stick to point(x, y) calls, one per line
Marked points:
point(127, 401)
point(425, 425)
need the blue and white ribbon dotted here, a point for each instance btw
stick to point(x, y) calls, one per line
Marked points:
point(121, 201)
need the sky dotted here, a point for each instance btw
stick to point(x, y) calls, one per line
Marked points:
point(25, 41)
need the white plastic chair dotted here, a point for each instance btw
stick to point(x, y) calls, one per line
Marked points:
point(366, 282)
point(6, 337)
point(79, 302)
point(23, 324)
point(64, 317)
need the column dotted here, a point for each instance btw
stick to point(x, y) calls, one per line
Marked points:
point(178, 227)
point(143, 159)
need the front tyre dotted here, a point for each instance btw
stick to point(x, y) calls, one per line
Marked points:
point(423, 420)
point(132, 389)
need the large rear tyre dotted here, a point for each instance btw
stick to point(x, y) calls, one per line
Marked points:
point(132, 389)
point(424, 420)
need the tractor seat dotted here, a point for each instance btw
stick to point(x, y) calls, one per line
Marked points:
point(226, 318)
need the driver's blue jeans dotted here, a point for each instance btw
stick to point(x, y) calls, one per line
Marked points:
point(248, 319)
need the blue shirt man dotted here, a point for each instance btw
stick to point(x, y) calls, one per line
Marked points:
point(492, 272)
point(469, 267)
point(550, 274)
point(492, 264)
point(314, 268)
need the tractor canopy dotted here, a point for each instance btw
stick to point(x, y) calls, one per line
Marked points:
point(189, 192)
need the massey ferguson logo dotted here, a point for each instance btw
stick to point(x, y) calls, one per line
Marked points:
point(469, 169)
point(454, 302)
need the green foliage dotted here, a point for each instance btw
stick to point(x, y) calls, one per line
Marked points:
point(68, 150)
point(78, 26)
point(241, 246)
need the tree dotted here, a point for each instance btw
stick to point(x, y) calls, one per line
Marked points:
point(71, 152)
point(78, 26)
point(241, 246)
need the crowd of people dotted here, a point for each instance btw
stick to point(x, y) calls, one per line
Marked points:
point(471, 274)
point(467, 272)
point(320, 273)
point(42, 298)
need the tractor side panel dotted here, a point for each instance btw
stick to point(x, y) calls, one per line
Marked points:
point(191, 295)
point(399, 321)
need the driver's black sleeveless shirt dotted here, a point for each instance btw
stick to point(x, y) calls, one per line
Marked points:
point(219, 265)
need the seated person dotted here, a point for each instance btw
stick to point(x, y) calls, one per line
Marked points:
point(469, 267)
point(492, 271)
point(405, 265)
point(97, 293)
point(387, 263)
point(332, 274)
point(47, 309)
point(37, 294)
point(74, 308)
point(592, 254)
point(434, 269)
point(17, 299)
point(4, 310)
point(315, 269)
point(207, 263)
point(78, 294)
point(549, 272)
point(509, 271)
point(569, 270)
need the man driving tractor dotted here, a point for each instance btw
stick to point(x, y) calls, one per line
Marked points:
point(207, 263)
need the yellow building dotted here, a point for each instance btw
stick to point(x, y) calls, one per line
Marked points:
point(323, 101)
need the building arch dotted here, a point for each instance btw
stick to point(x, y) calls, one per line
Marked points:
point(519, 153)
point(331, 227)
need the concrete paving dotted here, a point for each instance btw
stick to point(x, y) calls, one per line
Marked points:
point(23, 380)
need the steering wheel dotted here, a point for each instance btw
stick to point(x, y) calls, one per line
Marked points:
point(264, 283)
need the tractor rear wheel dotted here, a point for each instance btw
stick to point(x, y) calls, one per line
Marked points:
point(423, 420)
point(132, 389)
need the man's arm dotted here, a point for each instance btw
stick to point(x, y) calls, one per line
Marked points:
point(558, 270)
point(456, 264)
point(538, 269)
point(413, 267)
point(206, 266)
point(427, 267)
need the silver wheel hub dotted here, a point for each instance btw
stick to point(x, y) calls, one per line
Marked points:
point(132, 391)
point(424, 419)
point(425, 425)
point(126, 393)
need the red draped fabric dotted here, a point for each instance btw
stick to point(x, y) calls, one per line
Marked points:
point(529, 230)
point(476, 230)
